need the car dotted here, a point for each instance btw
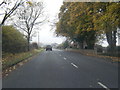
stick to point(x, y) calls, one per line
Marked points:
point(49, 47)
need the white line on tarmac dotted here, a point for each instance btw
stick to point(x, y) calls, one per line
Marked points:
point(74, 65)
point(90, 86)
point(65, 58)
point(103, 86)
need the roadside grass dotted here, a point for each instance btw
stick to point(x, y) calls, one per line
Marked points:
point(11, 60)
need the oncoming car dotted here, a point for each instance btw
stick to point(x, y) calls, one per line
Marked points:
point(49, 47)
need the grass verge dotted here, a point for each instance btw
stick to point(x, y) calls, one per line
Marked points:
point(11, 60)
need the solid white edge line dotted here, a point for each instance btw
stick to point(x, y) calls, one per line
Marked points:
point(103, 86)
point(74, 65)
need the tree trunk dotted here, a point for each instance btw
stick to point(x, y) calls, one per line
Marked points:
point(111, 39)
point(28, 42)
point(90, 39)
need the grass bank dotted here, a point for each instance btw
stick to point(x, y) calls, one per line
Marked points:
point(12, 59)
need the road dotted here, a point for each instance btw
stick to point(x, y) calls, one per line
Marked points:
point(62, 69)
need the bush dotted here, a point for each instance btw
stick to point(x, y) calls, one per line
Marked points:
point(34, 45)
point(12, 40)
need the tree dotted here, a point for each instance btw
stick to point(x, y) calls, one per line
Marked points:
point(12, 40)
point(65, 44)
point(76, 22)
point(87, 21)
point(108, 20)
point(28, 17)
point(9, 8)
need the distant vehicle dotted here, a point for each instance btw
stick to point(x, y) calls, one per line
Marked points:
point(48, 47)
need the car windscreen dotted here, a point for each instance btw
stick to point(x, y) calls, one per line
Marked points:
point(48, 46)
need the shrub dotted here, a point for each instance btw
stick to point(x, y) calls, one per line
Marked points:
point(12, 40)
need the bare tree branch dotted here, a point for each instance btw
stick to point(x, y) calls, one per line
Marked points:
point(3, 3)
point(30, 15)
point(8, 14)
point(21, 28)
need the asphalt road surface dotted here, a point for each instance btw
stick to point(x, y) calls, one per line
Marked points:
point(62, 69)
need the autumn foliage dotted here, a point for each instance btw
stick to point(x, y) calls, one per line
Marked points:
point(86, 21)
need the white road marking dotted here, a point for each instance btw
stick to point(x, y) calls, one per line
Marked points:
point(65, 58)
point(90, 86)
point(74, 65)
point(103, 86)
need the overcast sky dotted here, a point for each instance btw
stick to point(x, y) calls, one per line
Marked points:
point(46, 35)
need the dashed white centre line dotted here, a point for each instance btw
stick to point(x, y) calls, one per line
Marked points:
point(74, 65)
point(103, 86)
point(65, 58)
